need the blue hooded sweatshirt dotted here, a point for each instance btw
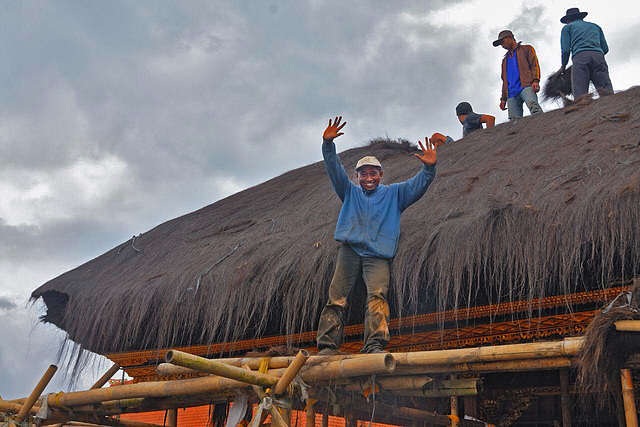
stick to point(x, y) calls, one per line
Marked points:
point(369, 222)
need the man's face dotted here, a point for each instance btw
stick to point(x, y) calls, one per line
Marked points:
point(369, 177)
point(507, 42)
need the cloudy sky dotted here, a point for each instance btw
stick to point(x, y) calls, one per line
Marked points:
point(116, 116)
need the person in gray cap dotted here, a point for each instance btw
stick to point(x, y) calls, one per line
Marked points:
point(586, 42)
point(520, 76)
point(368, 229)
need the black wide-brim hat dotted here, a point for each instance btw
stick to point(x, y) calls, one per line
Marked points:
point(573, 14)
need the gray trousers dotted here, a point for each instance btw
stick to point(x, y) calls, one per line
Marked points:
point(527, 96)
point(590, 65)
point(375, 272)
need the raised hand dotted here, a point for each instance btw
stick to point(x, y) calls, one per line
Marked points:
point(333, 130)
point(428, 156)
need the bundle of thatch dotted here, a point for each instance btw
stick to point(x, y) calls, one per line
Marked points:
point(544, 206)
point(558, 86)
point(605, 350)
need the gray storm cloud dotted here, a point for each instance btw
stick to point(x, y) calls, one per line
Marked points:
point(117, 116)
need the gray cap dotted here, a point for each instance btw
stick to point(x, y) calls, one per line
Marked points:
point(368, 161)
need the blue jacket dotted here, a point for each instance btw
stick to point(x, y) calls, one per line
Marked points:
point(370, 221)
point(578, 36)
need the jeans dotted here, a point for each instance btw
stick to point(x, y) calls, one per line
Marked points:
point(590, 65)
point(527, 96)
point(375, 272)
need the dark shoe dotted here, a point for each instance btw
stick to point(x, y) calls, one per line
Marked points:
point(328, 351)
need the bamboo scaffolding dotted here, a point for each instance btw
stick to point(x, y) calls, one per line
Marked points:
point(392, 383)
point(628, 325)
point(172, 418)
point(429, 360)
point(538, 350)
point(630, 411)
point(480, 367)
point(291, 372)
point(332, 369)
point(148, 404)
point(487, 367)
point(210, 366)
point(62, 418)
point(35, 394)
point(255, 362)
point(106, 377)
point(445, 388)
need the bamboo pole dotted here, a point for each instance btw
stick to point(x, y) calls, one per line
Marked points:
point(485, 367)
point(172, 418)
point(217, 385)
point(210, 366)
point(550, 363)
point(453, 401)
point(14, 408)
point(276, 418)
point(106, 377)
point(311, 414)
point(255, 362)
point(628, 325)
point(331, 369)
point(567, 347)
point(630, 412)
point(564, 398)
point(393, 383)
point(35, 394)
point(291, 372)
point(194, 386)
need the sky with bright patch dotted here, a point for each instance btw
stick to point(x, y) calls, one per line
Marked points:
point(116, 116)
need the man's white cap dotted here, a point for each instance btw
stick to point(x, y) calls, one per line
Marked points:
point(368, 161)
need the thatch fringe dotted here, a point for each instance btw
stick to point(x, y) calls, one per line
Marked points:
point(548, 205)
point(603, 354)
point(558, 86)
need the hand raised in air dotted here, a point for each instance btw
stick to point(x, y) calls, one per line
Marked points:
point(333, 130)
point(428, 156)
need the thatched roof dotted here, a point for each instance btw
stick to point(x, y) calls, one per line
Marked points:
point(547, 205)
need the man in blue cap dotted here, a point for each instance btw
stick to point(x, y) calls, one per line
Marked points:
point(586, 43)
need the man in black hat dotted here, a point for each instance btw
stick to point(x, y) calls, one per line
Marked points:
point(586, 42)
point(520, 76)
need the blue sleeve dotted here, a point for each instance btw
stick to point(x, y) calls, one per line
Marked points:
point(411, 190)
point(603, 42)
point(565, 45)
point(448, 140)
point(335, 170)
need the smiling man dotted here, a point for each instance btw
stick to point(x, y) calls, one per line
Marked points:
point(368, 228)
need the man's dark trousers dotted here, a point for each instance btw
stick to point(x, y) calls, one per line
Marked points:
point(375, 272)
point(590, 65)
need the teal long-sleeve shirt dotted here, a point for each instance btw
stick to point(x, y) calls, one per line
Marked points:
point(369, 222)
point(578, 36)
